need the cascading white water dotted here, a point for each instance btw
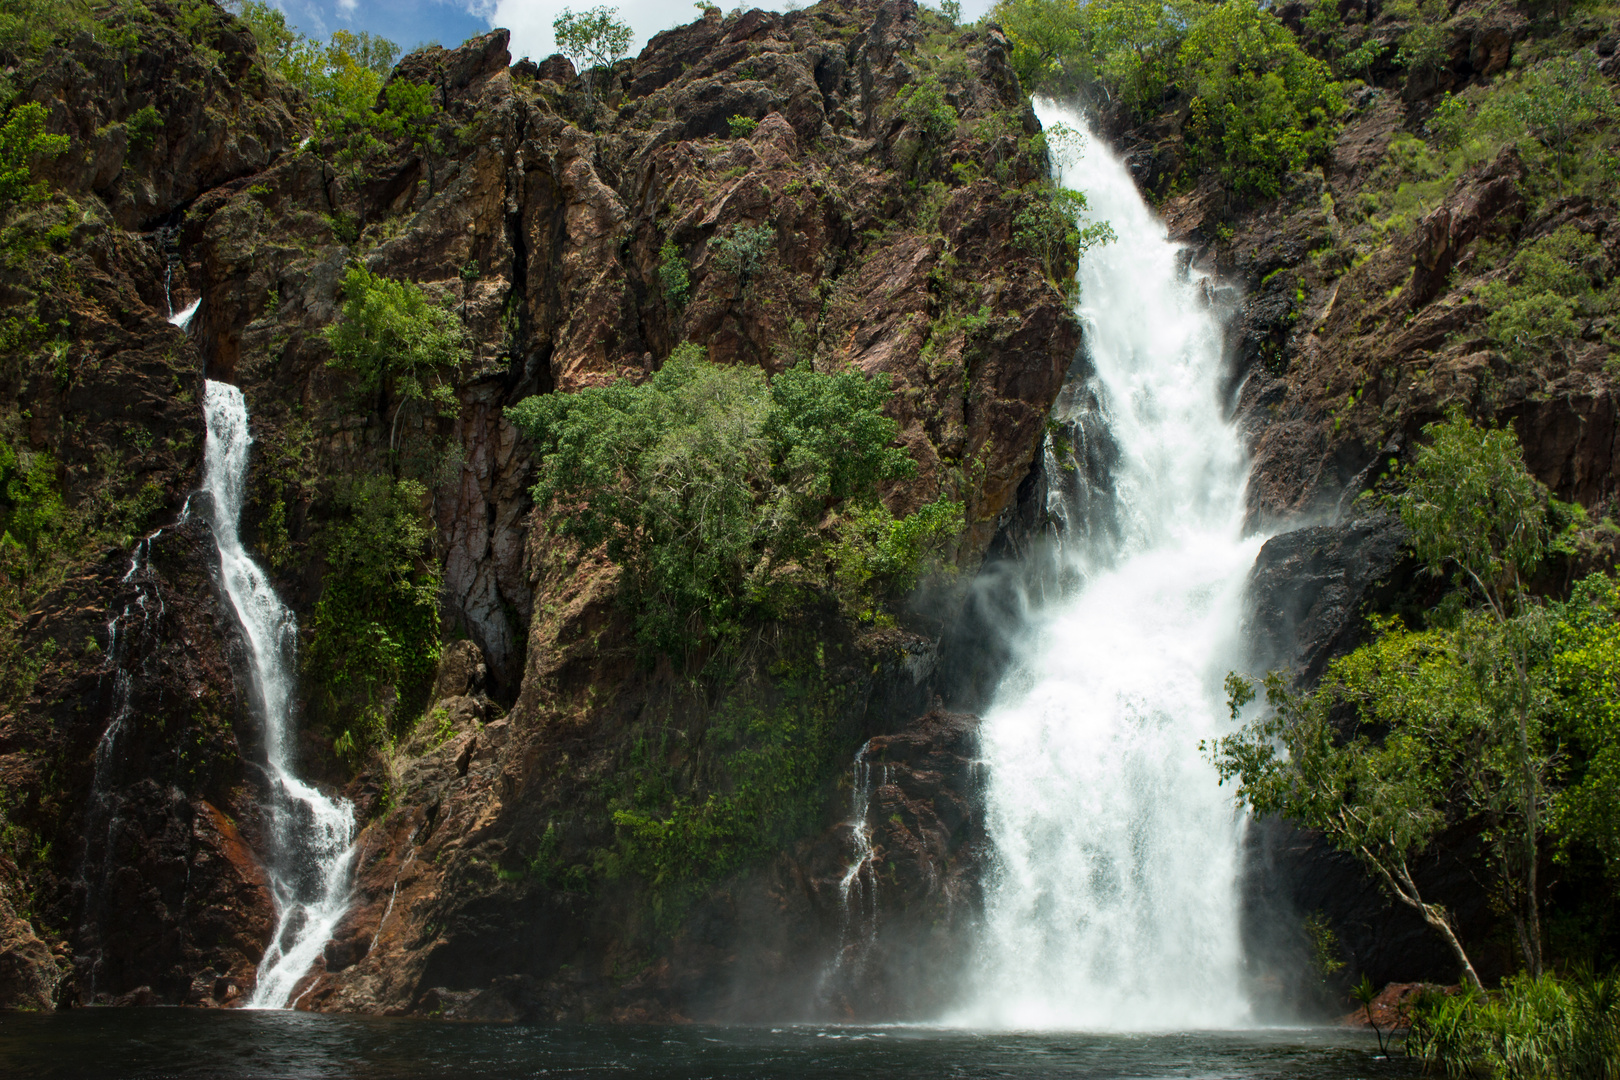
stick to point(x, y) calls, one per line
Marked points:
point(311, 836)
point(1113, 902)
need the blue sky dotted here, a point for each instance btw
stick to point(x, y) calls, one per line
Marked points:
point(450, 22)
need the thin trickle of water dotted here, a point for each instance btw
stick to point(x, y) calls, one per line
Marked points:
point(182, 318)
point(1113, 902)
point(101, 820)
point(857, 889)
point(311, 836)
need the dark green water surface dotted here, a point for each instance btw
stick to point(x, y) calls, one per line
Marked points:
point(153, 1043)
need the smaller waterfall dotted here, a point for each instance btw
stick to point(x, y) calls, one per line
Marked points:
point(859, 883)
point(101, 821)
point(311, 836)
point(182, 318)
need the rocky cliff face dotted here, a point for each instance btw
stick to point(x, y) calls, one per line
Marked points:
point(495, 875)
point(1363, 319)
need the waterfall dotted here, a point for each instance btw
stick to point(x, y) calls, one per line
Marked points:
point(182, 318)
point(1112, 902)
point(310, 836)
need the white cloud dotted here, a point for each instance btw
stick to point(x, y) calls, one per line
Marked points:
point(530, 20)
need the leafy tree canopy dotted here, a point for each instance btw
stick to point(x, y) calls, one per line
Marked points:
point(1257, 105)
point(592, 38)
point(723, 496)
point(1419, 731)
point(395, 339)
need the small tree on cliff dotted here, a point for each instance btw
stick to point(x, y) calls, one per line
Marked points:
point(591, 39)
point(1417, 732)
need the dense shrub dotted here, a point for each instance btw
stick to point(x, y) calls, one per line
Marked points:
point(22, 139)
point(1530, 1030)
point(718, 493)
point(1255, 104)
point(396, 340)
point(739, 250)
point(1554, 285)
point(1261, 106)
point(374, 641)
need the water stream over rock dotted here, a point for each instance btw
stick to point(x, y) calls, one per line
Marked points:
point(311, 836)
point(1113, 899)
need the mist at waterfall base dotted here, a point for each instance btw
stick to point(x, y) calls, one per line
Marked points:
point(1113, 899)
point(191, 1044)
point(310, 835)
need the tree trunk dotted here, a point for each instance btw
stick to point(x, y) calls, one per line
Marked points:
point(1400, 883)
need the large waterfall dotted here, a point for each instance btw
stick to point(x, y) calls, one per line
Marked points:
point(1113, 901)
point(310, 836)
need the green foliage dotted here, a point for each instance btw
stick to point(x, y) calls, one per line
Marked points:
point(931, 122)
point(1051, 225)
point(22, 139)
point(1382, 799)
point(1559, 99)
point(770, 742)
point(374, 639)
point(1048, 40)
point(28, 26)
point(396, 340)
point(591, 39)
point(1554, 286)
point(31, 511)
point(742, 126)
point(1422, 48)
point(1327, 956)
point(674, 274)
point(739, 250)
point(268, 23)
point(1261, 106)
point(923, 106)
point(1586, 677)
point(1534, 1028)
point(143, 127)
point(346, 80)
point(1420, 730)
point(710, 486)
point(877, 555)
point(1470, 504)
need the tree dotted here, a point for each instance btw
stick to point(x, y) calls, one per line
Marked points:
point(274, 35)
point(1052, 225)
point(1384, 801)
point(22, 140)
point(396, 340)
point(1559, 98)
point(591, 39)
point(715, 490)
point(1472, 506)
point(1422, 730)
point(1262, 107)
point(1046, 36)
point(740, 249)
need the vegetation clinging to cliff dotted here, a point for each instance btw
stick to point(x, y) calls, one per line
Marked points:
point(1253, 104)
point(719, 493)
